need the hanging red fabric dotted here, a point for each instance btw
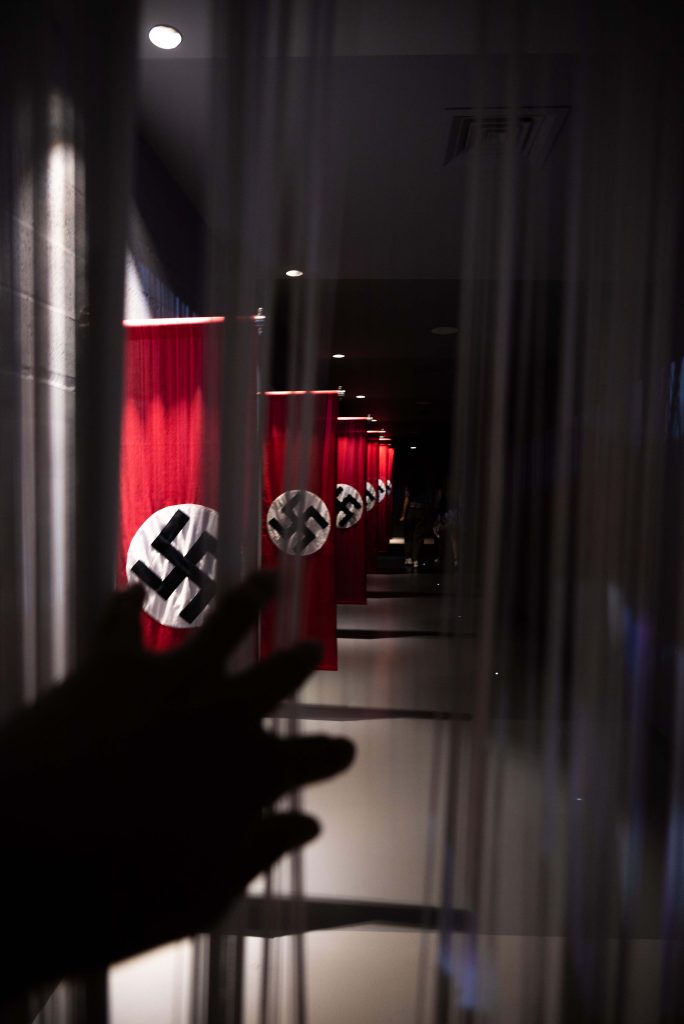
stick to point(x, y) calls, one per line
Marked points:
point(371, 503)
point(168, 477)
point(390, 493)
point(298, 517)
point(381, 540)
point(350, 518)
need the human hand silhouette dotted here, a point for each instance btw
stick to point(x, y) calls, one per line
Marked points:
point(134, 795)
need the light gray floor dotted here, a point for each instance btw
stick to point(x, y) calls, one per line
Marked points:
point(426, 673)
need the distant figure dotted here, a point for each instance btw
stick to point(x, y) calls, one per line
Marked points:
point(446, 529)
point(450, 528)
point(416, 516)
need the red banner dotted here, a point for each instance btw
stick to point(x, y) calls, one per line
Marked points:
point(390, 492)
point(297, 517)
point(371, 503)
point(169, 456)
point(382, 497)
point(350, 537)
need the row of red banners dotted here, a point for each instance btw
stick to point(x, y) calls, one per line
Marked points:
point(335, 512)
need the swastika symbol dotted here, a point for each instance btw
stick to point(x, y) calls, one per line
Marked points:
point(180, 584)
point(348, 506)
point(370, 496)
point(381, 490)
point(298, 522)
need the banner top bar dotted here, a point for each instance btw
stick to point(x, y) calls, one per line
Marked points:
point(170, 321)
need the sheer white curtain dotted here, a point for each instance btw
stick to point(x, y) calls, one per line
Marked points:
point(555, 816)
point(65, 137)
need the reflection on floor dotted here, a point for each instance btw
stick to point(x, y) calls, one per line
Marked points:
point(411, 647)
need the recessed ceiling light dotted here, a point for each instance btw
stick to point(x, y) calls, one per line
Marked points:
point(166, 37)
point(413, 447)
point(338, 355)
point(294, 273)
point(444, 330)
point(359, 396)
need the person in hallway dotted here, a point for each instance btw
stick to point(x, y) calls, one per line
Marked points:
point(416, 515)
point(446, 529)
point(450, 526)
point(136, 796)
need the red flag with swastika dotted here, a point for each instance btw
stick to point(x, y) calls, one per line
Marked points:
point(298, 506)
point(168, 477)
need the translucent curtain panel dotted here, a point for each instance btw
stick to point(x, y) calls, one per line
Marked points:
point(546, 821)
point(276, 201)
point(65, 135)
point(566, 466)
point(508, 844)
point(261, 212)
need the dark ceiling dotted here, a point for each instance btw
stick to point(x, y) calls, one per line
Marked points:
point(401, 107)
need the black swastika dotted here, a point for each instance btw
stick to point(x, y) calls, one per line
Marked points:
point(297, 524)
point(184, 567)
point(348, 508)
point(381, 488)
point(370, 492)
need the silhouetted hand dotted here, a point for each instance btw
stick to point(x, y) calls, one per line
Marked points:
point(133, 795)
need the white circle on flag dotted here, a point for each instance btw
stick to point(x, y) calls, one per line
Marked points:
point(298, 522)
point(381, 489)
point(389, 486)
point(173, 554)
point(348, 506)
point(371, 496)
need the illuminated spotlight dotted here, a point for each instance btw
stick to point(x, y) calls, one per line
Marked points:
point(166, 37)
point(294, 273)
point(413, 447)
point(338, 355)
point(359, 396)
point(444, 330)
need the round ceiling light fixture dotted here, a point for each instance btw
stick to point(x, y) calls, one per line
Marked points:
point(359, 396)
point(444, 330)
point(294, 273)
point(338, 355)
point(413, 447)
point(166, 37)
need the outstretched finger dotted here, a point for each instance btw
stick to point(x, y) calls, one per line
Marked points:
point(261, 688)
point(236, 613)
point(268, 840)
point(306, 759)
point(119, 631)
